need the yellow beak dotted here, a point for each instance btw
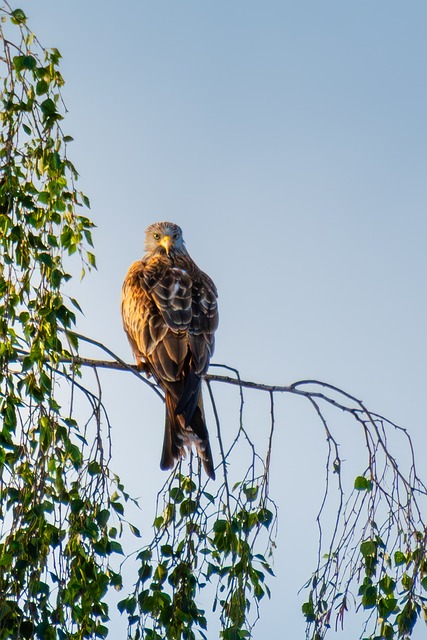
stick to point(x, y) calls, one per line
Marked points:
point(166, 242)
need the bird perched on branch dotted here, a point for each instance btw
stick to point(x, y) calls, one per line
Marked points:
point(170, 314)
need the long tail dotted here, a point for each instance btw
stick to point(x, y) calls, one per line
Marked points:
point(182, 432)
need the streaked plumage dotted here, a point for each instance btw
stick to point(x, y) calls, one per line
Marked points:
point(170, 314)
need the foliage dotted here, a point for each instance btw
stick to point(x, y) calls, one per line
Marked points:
point(187, 553)
point(62, 509)
point(376, 558)
point(55, 537)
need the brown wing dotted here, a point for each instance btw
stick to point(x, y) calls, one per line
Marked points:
point(170, 315)
point(187, 300)
point(156, 311)
point(167, 312)
point(204, 321)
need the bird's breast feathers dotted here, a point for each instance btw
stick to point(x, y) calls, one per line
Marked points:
point(162, 294)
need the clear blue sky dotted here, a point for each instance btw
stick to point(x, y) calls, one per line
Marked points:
point(289, 141)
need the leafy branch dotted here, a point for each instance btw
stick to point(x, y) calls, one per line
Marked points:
point(375, 556)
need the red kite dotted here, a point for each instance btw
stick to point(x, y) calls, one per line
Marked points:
point(170, 314)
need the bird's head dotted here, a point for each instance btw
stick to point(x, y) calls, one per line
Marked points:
point(164, 237)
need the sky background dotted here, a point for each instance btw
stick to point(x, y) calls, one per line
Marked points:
point(289, 141)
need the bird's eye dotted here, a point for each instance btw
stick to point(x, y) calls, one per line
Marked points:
point(156, 236)
point(175, 236)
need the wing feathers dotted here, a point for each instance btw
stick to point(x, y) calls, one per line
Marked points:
point(167, 359)
point(171, 292)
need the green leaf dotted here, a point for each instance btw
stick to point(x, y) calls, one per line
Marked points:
point(399, 558)
point(406, 619)
point(166, 550)
point(75, 455)
point(220, 526)
point(6, 560)
point(18, 16)
point(116, 547)
point(406, 582)
point(46, 258)
point(29, 62)
point(101, 631)
point(91, 259)
point(265, 517)
point(103, 517)
point(55, 160)
point(94, 468)
point(118, 507)
point(18, 63)
point(76, 305)
point(128, 605)
point(48, 107)
point(387, 585)
point(386, 606)
point(251, 492)
point(187, 507)
point(136, 532)
point(369, 598)
point(76, 505)
point(44, 197)
point(74, 341)
point(368, 549)
point(176, 494)
point(55, 55)
point(42, 87)
point(161, 572)
point(362, 484)
point(308, 611)
point(387, 632)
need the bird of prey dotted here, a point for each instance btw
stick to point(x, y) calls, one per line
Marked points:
point(170, 314)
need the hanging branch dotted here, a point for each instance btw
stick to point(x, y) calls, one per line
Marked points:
point(375, 556)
